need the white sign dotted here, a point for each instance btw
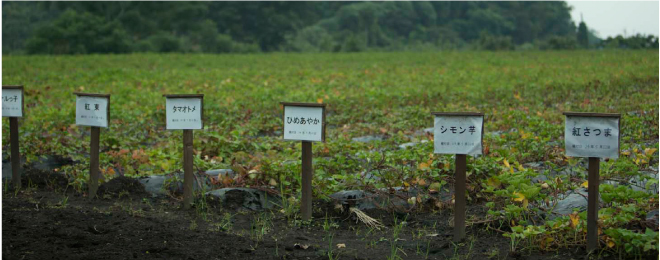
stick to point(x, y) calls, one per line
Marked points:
point(592, 136)
point(458, 134)
point(12, 103)
point(92, 111)
point(184, 113)
point(303, 123)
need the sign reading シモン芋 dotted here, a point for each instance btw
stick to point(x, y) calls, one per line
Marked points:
point(92, 109)
point(304, 121)
point(12, 101)
point(458, 133)
point(184, 111)
point(592, 135)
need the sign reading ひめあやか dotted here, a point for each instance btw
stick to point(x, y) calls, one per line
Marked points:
point(184, 111)
point(592, 135)
point(12, 101)
point(304, 121)
point(92, 109)
point(458, 133)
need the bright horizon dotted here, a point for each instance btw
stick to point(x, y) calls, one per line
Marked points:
point(612, 18)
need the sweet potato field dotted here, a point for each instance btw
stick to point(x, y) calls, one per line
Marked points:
point(525, 198)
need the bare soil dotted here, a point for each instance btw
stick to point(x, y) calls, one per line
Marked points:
point(48, 220)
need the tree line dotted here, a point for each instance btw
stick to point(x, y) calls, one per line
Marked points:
point(245, 27)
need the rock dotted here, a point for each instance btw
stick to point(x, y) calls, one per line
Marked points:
point(428, 130)
point(226, 172)
point(154, 185)
point(406, 145)
point(246, 198)
point(368, 200)
point(535, 165)
point(355, 198)
point(652, 218)
point(575, 200)
point(638, 183)
point(159, 185)
point(49, 162)
point(368, 138)
point(539, 178)
point(411, 144)
point(495, 133)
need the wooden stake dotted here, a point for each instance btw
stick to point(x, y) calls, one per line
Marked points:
point(592, 207)
point(187, 168)
point(459, 198)
point(94, 162)
point(15, 153)
point(306, 206)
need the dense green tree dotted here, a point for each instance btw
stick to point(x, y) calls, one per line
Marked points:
point(583, 35)
point(217, 27)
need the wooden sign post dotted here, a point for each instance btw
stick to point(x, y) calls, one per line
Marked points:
point(93, 110)
point(458, 133)
point(592, 135)
point(186, 111)
point(12, 107)
point(305, 122)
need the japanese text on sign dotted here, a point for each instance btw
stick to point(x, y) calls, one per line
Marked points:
point(92, 111)
point(184, 113)
point(303, 123)
point(457, 134)
point(12, 103)
point(592, 136)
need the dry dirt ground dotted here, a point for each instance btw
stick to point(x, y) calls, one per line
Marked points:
point(48, 220)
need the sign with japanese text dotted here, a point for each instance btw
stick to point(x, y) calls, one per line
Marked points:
point(304, 122)
point(592, 135)
point(92, 109)
point(184, 111)
point(458, 133)
point(12, 101)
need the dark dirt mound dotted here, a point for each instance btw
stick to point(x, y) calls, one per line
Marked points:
point(122, 186)
point(43, 179)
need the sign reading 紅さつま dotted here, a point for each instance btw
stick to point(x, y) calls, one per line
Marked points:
point(304, 121)
point(92, 109)
point(592, 135)
point(12, 101)
point(184, 111)
point(458, 133)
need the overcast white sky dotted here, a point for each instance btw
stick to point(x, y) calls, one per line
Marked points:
point(611, 18)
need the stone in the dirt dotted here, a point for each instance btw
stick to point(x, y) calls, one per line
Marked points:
point(226, 172)
point(639, 183)
point(368, 138)
point(410, 144)
point(575, 200)
point(246, 198)
point(539, 178)
point(154, 185)
point(652, 217)
point(159, 185)
point(49, 163)
point(368, 200)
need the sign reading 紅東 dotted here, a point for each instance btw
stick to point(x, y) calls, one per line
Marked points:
point(304, 121)
point(92, 109)
point(592, 135)
point(184, 111)
point(12, 101)
point(458, 133)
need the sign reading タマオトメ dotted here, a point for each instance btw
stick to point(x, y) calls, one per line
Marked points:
point(92, 109)
point(592, 135)
point(12, 101)
point(184, 111)
point(304, 121)
point(458, 133)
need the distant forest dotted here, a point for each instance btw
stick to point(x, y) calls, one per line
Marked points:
point(245, 27)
